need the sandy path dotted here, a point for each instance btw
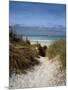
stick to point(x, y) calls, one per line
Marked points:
point(46, 74)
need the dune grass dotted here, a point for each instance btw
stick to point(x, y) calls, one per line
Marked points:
point(58, 48)
point(21, 55)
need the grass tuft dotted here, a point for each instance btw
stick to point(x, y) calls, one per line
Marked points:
point(22, 55)
point(58, 48)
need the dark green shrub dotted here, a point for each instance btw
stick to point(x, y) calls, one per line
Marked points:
point(45, 49)
point(41, 51)
point(28, 42)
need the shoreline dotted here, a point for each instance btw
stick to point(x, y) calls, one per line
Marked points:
point(42, 42)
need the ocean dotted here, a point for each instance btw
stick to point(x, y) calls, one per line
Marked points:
point(39, 33)
point(44, 37)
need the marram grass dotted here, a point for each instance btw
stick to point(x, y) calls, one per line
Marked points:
point(58, 48)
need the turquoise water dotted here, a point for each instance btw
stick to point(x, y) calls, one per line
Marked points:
point(44, 37)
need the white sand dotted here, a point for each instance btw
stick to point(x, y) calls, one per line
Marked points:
point(48, 73)
point(42, 42)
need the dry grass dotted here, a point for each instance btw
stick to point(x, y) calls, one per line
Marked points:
point(22, 55)
point(58, 48)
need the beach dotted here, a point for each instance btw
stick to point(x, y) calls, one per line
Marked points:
point(42, 42)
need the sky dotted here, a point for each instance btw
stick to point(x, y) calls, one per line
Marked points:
point(36, 14)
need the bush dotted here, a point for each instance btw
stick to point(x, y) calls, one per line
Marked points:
point(41, 51)
point(45, 49)
point(28, 42)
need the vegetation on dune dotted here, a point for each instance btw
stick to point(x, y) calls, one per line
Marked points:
point(58, 48)
point(22, 55)
point(42, 50)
